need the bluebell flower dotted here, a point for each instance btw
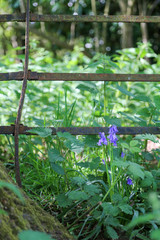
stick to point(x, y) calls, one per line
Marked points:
point(129, 181)
point(113, 129)
point(103, 161)
point(102, 139)
point(122, 154)
point(113, 139)
point(112, 135)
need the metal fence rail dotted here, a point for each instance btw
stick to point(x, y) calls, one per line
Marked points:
point(35, 76)
point(27, 75)
point(82, 130)
point(76, 18)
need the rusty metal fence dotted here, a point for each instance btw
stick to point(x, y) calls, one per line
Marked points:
point(27, 75)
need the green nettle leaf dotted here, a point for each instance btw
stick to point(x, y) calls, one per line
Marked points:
point(71, 142)
point(125, 145)
point(144, 112)
point(148, 136)
point(112, 121)
point(38, 121)
point(65, 135)
point(78, 180)
point(78, 195)
point(13, 188)
point(119, 163)
point(97, 214)
point(156, 100)
point(95, 199)
point(95, 163)
point(123, 90)
point(34, 235)
point(148, 180)
point(133, 143)
point(112, 221)
point(134, 149)
point(75, 146)
point(113, 64)
point(132, 118)
point(116, 198)
point(57, 168)
point(142, 98)
point(111, 232)
point(83, 164)
point(110, 209)
point(148, 156)
point(102, 70)
point(92, 189)
point(125, 208)
point(149, 175)
point(54, 155)
point(94, 64)
point(42, 132)
point(91, 141)
point(136, 170)
point(88, 86)
point(63, 200)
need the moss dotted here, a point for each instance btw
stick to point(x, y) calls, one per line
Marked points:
point(25, 216)
point(5, 231)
